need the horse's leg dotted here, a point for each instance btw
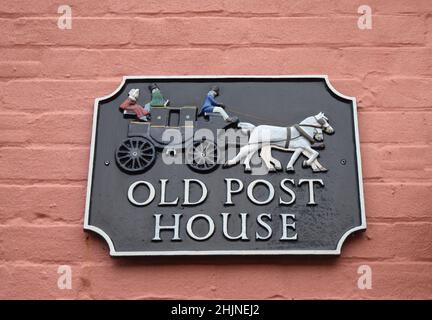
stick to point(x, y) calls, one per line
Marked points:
point(266, 157)
point(244, 151)
point(319, 166)
point(248, 158)
point(276, 163)
point(307, 154)
point(312, 161)
point(294, 157)
point(313, 155)
point(316, 165)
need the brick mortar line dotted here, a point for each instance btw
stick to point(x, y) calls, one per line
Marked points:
point(45, 146)
point(44, 114)
point(60, 223)
point(213, 14)
point(211, 47)
point(247, 44)
point(389, 183)
point(44, 185)
point(397, 180)
point(30, 182)
point(394, 221)
point(114, 80)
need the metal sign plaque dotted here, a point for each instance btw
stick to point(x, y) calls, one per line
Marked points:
point(230, 165)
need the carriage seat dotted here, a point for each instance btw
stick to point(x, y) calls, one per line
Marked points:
point(166, 104)
point(129, 114)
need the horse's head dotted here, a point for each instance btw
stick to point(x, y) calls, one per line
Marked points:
point(316, 125)
point(323, 121)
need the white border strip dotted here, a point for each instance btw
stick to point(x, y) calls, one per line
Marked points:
point(113, 252)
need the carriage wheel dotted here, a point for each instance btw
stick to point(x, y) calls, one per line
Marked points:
point(135, 155)
point(202, 156)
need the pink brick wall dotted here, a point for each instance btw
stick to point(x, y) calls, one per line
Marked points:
point(50, 77)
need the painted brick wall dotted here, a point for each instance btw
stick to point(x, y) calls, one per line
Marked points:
point(48, 81)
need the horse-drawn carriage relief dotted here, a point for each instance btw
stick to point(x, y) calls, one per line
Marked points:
point(145, 136)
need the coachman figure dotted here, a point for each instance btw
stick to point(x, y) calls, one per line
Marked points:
point(211, 105)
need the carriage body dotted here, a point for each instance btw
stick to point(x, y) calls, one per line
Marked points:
point(137, 153)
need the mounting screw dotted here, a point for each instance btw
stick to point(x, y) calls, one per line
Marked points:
point(107, 163)
point(343, 162)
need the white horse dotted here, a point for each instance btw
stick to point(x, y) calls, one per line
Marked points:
point(298, 139)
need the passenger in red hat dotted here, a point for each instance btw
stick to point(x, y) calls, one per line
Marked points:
point(131, 104)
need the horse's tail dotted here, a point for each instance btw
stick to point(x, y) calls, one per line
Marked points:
point(246, 126)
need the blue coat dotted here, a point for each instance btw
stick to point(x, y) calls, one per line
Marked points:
point(209, 103)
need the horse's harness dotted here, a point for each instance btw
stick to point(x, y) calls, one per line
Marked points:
point(303, 133)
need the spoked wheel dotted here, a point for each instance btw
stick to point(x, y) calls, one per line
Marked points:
point(135, 155)
point(202, 156)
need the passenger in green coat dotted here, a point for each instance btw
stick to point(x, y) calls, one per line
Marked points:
point(157, 99)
